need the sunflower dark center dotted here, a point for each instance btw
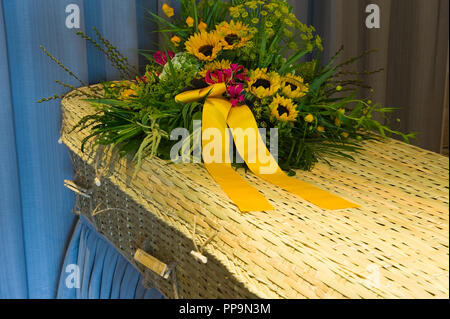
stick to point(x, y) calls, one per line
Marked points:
point(282, 110)
point(206, 50)
point(293, 86)
point(232, 39)
point(262, 82)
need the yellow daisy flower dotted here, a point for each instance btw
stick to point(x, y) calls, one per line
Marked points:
point(263, 84)
point(215, 65)
point(168, 10)
point(283, 109)
point(234, 34)
point(293, 87)
point(320, 129)
point(204, 45)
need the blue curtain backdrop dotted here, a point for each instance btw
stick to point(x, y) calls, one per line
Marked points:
point(36, 222)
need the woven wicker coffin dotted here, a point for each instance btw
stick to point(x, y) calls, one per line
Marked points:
point(394, 246)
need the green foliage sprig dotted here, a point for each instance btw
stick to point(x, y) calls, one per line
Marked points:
point(117, 59)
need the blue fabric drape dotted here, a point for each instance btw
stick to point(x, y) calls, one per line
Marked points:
point(12, 254)
point(103, 273)
point(35, 208)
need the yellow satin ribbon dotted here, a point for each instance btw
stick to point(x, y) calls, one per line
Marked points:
point(217, 113)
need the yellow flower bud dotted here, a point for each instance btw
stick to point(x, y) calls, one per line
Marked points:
point(189, 21)
point(175, 40)
point(168, 10)
point(202, 26)
point(320, 129)
point(309, 118)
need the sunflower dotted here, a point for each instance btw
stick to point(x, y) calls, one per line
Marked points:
point(293, 87)
point(234, 34)
point(204, 45)
point(214, 66)
point(263, 84)
point(283, 109)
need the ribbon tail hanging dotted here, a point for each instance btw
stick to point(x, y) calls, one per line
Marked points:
point(214, 117)
point(214, 130)
point(262, 163)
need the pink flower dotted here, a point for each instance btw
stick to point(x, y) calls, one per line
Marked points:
point(239, 72)
point(236, 93)
point(161, 57)
point(228, 76)
point(142, 79)
point(219, 76)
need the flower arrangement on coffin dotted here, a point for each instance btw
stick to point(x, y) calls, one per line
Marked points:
point(257, 55)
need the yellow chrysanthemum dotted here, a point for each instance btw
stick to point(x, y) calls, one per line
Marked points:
point(234, 34)
point(284, 109)
point(215, 65)
point(263, 84)
point(168, 10)
point(204, 45)
point(293, 87)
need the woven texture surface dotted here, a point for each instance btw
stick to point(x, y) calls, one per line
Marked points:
point(394, 246)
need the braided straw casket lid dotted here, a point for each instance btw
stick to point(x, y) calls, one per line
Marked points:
point(395, 245)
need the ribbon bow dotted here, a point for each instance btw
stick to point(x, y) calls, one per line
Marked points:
point(218, 113)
